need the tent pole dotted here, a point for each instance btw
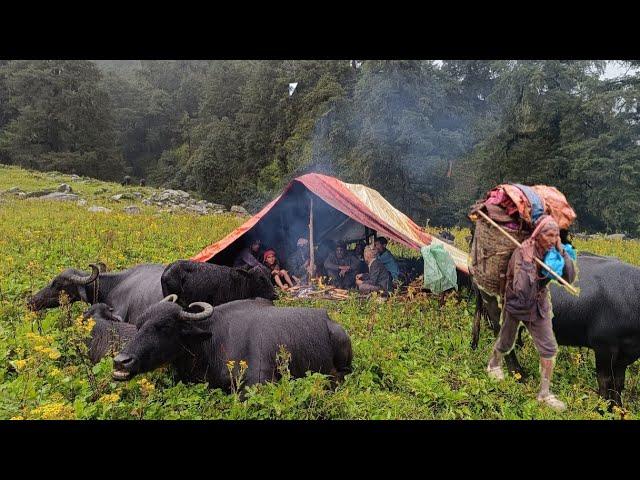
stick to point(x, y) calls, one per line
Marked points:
point(312, 263)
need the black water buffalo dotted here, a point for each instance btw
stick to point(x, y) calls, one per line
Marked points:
point(199, 345)
point(605, 317)
point(214, 284)
point(129, 292)
point(126, 181)
point(109, 334)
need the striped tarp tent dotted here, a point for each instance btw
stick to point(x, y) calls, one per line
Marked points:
point(341, 211)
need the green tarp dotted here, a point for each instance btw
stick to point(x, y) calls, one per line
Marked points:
point(439, 269)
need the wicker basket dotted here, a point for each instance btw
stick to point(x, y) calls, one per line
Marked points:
point(490, 254)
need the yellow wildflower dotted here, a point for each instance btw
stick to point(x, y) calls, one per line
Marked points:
point(20, 364)
point(53, 411)
point(243, 365)
point(517, 376)
point(55, 372)
point(17, 417)
point(231, 364)
point(146, 387)
point(109, 398)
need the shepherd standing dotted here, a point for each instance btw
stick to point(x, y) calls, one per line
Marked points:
point(528, 300)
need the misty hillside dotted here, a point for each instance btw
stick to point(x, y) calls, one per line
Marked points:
point(430, 136)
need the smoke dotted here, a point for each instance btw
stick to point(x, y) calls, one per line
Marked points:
point(398, 133)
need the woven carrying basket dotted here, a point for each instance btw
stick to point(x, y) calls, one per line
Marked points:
point(490, 254)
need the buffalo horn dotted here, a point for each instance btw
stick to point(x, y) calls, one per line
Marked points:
point(84, 279)
point(206, 312)
point(170, 298)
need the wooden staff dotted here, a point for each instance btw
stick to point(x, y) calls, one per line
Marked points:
point(540, 262)
point(312, 259)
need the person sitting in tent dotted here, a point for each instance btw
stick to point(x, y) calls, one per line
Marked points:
point(279, 275)
point(341, 267)
point(249, 256)
point(358, 252)
point(325, 248)
point(299, 262)
point(387, 258)
point(378, 277)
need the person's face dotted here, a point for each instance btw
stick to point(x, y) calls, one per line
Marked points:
point(548, 238)
point(368, 256)
point(339, 252)
point(379, 247)
point(271, 259)
point(255, 246)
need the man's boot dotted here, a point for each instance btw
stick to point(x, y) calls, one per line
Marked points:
point(494, 369)
point(545, 396)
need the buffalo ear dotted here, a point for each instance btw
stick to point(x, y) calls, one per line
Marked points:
point(242, 272)
point(192, 332)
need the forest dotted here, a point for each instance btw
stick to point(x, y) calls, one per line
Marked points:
point(431, 136)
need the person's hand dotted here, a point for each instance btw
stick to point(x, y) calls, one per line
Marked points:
point(359, 276)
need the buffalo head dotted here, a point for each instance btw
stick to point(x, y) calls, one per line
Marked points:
point(261, 284)
point(166, 330)
point(71, 281)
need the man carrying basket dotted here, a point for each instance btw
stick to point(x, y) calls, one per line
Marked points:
point(527, 299)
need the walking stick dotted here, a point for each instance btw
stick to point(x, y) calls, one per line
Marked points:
point(564, 283)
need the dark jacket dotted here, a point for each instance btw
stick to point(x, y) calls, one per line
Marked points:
point(377, 278)
point(296, 262)
point(246, 257)
point(332, 263)
point(527, 296)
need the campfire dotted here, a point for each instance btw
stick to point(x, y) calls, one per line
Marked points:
point(317, 288)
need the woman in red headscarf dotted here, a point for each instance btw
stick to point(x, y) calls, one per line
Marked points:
point(277, 274)
point(527, 300)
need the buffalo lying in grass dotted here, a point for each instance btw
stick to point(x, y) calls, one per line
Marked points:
point(215, 284)
point(199, 345)
point(129, 292)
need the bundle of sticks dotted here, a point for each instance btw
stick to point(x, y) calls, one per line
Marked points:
point(325, 292)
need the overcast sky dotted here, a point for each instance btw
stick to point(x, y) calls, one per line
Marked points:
point(614, 69)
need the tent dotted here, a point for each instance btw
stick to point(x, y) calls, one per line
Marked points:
point(341, 211)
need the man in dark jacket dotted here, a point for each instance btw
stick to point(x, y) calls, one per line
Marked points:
point(249, 256)
point(299, 262)
point(528, 300)
point(378, 277)
point(341, 267)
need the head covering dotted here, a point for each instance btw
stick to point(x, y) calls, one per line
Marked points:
point(545, 223)
point(267, 253)
point(341, 245)
point(302, 242)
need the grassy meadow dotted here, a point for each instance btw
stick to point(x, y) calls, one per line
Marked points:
point(412, 358)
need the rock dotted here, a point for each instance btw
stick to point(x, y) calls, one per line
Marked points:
point(238, 209)
point(100, 190)
point(169, 195)
point(21, 194)
point(38, 193)
point(132, 210)
point(63, 197)
point(74, 177)
point(96, 208)
point(15, 190)
point(64, 188)
point(125, 196)
point(82, 202)
point(616, 236)
point(216, 206)
point(147, 202)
